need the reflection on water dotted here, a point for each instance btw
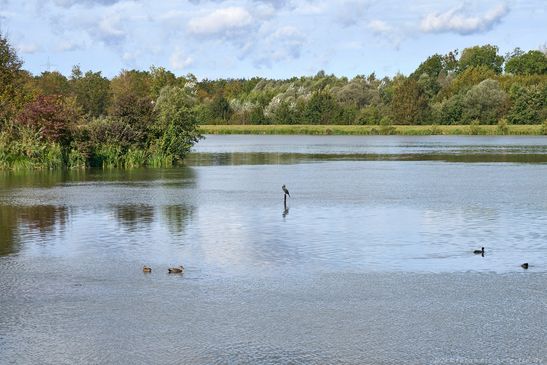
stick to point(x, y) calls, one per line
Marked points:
point(177, 217)
point(257, 150)
point(134, 216)
point(261, 158)
point(285, 211)
point(37, 221)
point(372, 262)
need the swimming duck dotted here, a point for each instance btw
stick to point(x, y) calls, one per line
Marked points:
point(479, 252)
point(147, 269)
point(524, 266)
point(176, 270)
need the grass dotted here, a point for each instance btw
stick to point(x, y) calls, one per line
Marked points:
point(404, 130)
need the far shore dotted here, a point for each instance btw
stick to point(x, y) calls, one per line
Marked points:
point(403, 130)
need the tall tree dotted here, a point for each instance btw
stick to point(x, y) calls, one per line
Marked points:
point(130, 82)
point(322, 108)
point(176, 126)
point(220, 108)
point(53, 83)
point(486, 102)
point(409, 104)
point(159, 78)
point(92, 91)
point(529, 63)
point(10, 80)
point(529, 104)
point(486, 56)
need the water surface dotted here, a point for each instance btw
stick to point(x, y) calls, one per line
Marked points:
point(371, 262)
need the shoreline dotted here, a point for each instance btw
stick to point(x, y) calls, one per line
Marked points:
point(363, 130)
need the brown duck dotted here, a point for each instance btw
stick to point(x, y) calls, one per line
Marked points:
point(147, 269)
point(176, 270)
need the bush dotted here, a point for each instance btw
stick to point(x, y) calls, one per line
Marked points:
point(386, 126)
point(503, 126)
point(52, 116)
point(474, 127)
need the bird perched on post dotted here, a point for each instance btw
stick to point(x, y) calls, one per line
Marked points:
point(286, 190)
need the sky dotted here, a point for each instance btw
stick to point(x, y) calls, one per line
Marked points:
point(267, 38)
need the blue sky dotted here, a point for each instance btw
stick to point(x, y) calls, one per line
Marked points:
point(269, 38)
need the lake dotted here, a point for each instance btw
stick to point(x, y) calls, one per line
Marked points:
point(371, 262)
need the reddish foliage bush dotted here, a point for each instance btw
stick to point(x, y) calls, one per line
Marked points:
point(52, 116)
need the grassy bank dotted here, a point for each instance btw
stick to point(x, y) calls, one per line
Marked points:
point(404, 130)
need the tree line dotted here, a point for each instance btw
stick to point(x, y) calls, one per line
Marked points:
point(152, 117)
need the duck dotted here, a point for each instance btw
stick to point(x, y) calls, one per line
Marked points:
point(479, 252)
point(146, 269)
point(524, 266)
point(176, 270)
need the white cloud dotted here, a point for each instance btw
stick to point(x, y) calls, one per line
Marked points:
point(179, 61)
point(28, 48)
point(458, 21)
point(67, 46)
point(283, 44)
point(220, 21)
point(110, 26)
point(172, 15)
point(379, 26)
point(387, 32)
point(351, 12)
point(69, 3)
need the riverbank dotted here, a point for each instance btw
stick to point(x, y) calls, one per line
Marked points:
point(405, 130)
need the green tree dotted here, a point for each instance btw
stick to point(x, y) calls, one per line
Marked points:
point(529, 104)
point(409, 104)
point(466, 80)
point(322, 108)
point(449, 111)
point(159, 78)
point(11, 97)
point(131, 102)
point(476, 56)
point(220, 108)
point(284, 114)
point(361, 91)
point(130, 82)
point(486, 102)
point(53, 83)
point(529, 63)
point(176, 126)
point(432, 66)
point(137, 112)
point(92, 91)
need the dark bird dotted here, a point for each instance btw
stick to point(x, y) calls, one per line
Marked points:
point(524, 266)
point(176, 270)
point(479, 252)
point(286, 190)
point(147, 269)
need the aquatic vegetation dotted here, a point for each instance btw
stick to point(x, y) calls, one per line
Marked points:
point(406, 130)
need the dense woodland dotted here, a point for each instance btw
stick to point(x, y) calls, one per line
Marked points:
point(151, 117)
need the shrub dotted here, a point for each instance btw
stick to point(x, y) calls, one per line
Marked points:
point(503, 126)
point(52, 116)
point(474, 127)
